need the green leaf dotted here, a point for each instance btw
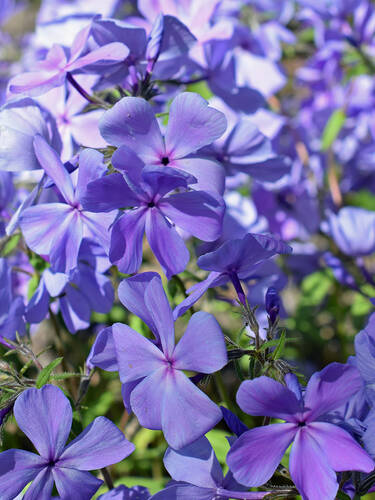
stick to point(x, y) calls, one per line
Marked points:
point(315, 287)
point(45, 374)
point(279, 349)
point(33, 285)
point(200, 88)
point(332, 128)
point(11, 245)
point(341, 496)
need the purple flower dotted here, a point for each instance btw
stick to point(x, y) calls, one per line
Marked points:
point(159, 393)
point(192, 124)
point(197, 474)
point(147, 190)
point(319, 448)
point(53, 70)
point(124, 493)
point(12, 308)
point(57, 229)
point(233, 261)
point(45, 416)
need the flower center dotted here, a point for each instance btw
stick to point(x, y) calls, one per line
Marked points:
point(165, 160)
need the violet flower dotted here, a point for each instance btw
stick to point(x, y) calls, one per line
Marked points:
point(57, 229)
point(192, 124)
point(155, 212)
point(155, 386)
point(45, 416)
point(197, 475)
point(53, 70)
point(319, 448)
point(124, 493)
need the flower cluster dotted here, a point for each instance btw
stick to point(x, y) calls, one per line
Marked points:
point(187, 238)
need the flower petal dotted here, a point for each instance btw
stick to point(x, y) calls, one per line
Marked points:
point(65, 247)
point(90, 451)
point(146, 399)
point(72, 483)
point(17, 469)
point(91, 167)
point(137, 356)
point(202, 338)
point(108, 193)
point(192, 124)
point(340, 448)
point(103, 352)
point(53, 166)
point(165, 242)
point(254, 456)
point(41, 487)
point(210, 175)
point(310, 470)
point(187, 413)
point(45, 416)
point(131, 122)
point(264, 396)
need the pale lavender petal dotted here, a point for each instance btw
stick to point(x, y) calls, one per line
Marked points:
point(202, 338)
point(161, 313)
point(126, 241)
point(168, 247)
point(17, 469)
point(97, 226)
point(36, 83)
point(137, 356)
point(108, 193)
point(112, 52)
point(35, 411)
point(75, 310)
point(192, 124)
point(196, 464)
point(131, 122)
point(146, 399)
point(55, 282)
point(79, 42)
point(41, 487)
point(197, 212)
point(187, 412)
point(90, 451)
point(42, 224)
point(55, 169)
point(330, 388)
point(72, 483)
point(254, 456)
point(341, 450)
point(210, 175)
point(131, 293)
point(310, 469)
point(264, 396)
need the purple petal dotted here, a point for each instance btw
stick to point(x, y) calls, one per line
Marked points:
point(161, 313)
point(72, 483)
point(264, 396)
point(36, 412)
point(310, 470)
point(196, 464)
point(341, 450)
point(79, 42)
point(54, 168)
point(256, 453)
point(131, 122)
point(41, 487)
point(330, 388)
point(42, 224)
point(192, 124)
point(55, 282)
point(146, 399)
point(108, 193)
point(137, 356)
point(37, 308)
point(131, 293)
point(233, 422)
point(90, 451)
point(187, 412)
point(163, 180)
point(65, 248)
point(75, 310)
point(210, 175)
point(112, 52)
point(36, 83)
point(103, 352)
point(202, 347)
point(17, 469)
point(184, 491)
point(165, 242)
point(197, 212)
point(126, 241)
point(91, 167)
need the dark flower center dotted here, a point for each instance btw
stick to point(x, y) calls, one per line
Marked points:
point(165, 160)
point(151, 204)
point(301, 424)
